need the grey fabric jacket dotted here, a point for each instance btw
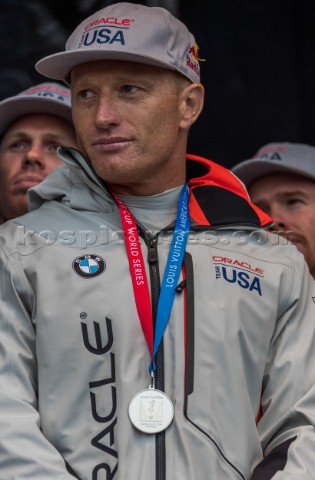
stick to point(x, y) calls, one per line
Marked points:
point(238, 357)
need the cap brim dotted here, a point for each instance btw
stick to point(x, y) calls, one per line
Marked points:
point(14, 108)
point(251, 170)
point(59, 65)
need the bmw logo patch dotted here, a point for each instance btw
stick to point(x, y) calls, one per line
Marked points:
point(88, 266)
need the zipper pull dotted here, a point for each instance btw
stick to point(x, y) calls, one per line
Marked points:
point(152, 252)
point(180, 287)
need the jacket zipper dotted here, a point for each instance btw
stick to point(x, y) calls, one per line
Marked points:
point(151, 242)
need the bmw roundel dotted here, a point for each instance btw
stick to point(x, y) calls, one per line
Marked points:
point(88, 266)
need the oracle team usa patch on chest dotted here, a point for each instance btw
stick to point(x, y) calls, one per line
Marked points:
point(238, 272)
point(88, 266)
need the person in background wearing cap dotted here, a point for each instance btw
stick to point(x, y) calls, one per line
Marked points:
point(140, 335)
point(280, 179)
point(32, 125)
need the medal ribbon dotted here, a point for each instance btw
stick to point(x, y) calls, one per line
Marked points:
point(171, 274)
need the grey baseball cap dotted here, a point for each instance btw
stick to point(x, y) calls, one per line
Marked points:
point(44, 98)
point(284, 157)
point(130, 32)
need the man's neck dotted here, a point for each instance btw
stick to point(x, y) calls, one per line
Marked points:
point(154, 212)
point(148, 188)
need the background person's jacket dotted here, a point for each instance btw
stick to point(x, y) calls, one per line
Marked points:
point(240, 343)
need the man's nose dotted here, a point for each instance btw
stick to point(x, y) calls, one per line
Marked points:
point(281, 218)
point(107, 113)
point(34, 157)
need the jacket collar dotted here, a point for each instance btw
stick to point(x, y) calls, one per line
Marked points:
point(219, 198)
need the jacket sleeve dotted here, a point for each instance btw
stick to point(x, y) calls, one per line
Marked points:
point(287, 425)
point(24, 451)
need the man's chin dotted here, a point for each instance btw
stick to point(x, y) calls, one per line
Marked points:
point(302, 248)
point(19, 209)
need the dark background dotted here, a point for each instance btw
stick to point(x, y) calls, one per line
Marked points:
point(259, 71)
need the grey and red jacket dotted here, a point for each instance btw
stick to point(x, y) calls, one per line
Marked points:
point(237, 359)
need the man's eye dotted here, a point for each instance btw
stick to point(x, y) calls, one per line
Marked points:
point(129, 89)
point(295, 201)
point(85, 94)
point(18, 146)
point(53, 148)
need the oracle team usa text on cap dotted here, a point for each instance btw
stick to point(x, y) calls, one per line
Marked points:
point(129, 32)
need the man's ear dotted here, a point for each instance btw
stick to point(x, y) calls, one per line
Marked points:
point(192, 98)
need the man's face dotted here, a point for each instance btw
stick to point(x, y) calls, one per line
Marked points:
point(290, 200)
point(27, 156)
point(129, 122)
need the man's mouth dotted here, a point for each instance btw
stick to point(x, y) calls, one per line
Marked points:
point(111, 144)
point(294, 238)
point(26, 181)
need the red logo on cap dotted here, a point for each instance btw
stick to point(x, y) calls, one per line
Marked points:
point(125, 22)
point(270, 149)
point(192, 59)
point(47, 88)
point(194, 52)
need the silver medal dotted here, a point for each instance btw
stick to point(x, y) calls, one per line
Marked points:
point(151, 411)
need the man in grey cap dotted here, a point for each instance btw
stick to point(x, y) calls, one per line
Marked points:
point(33, 124)
point(280, 179)
point(148, 330)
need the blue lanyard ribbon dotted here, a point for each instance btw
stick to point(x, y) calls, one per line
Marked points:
point(172, 270)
